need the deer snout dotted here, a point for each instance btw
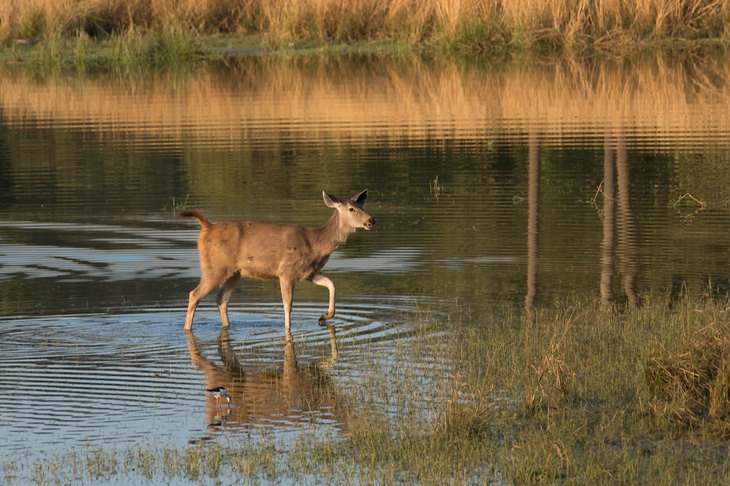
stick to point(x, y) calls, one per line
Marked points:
point(368, 224)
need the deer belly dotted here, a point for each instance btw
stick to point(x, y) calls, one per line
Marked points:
point(258, 267)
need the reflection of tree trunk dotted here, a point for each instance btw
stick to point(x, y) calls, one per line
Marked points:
point(609, 223)
point(627, 230)
point(533, 195)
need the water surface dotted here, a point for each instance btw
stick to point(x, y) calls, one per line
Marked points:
point(492, 186)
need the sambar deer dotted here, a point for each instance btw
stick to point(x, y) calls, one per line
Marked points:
point(268, 251)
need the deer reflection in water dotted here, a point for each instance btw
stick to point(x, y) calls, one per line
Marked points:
point(263, 391)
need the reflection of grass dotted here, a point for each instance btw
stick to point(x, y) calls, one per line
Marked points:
point(580, 395)
point(421, 99)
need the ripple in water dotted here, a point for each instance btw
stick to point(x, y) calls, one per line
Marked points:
point(134, 378)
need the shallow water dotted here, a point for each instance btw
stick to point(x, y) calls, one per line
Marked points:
point(73, 380)
point(491, 186)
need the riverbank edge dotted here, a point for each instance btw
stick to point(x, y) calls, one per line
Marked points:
point(174, 48)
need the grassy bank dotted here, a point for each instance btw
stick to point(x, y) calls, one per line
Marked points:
point(171, 48)
point(580, 395)
point(469, 25)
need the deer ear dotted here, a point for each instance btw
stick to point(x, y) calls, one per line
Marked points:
point(330, 201)
point(361, 198)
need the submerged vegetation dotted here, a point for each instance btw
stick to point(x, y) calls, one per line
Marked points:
point(580, 394)
point(138, 28)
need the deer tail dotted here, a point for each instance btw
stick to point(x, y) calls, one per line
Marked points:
point(197, 215)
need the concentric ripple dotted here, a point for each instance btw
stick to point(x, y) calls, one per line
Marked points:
point(134, 378)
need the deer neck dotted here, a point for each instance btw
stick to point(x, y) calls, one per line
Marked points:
point(332, 234)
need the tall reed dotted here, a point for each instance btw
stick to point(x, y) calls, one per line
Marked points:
point(470, 24)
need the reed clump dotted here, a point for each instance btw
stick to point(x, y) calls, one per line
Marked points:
point(469, 24)
point(689, 382)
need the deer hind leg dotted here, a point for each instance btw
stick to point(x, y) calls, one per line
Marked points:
point(320, 279)
point(287, 296)
point(224, 296)
point(196, 295)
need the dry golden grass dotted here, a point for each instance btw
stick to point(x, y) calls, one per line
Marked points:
point(688, 384)
point(521, 22)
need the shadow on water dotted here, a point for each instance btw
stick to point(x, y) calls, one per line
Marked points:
point(265, 389)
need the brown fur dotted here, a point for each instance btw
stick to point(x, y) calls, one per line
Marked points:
point(270, 251)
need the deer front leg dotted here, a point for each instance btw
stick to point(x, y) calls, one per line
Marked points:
point(287, 295)
point(320, 279)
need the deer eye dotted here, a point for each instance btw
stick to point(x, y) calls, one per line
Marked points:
point(352, 210)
